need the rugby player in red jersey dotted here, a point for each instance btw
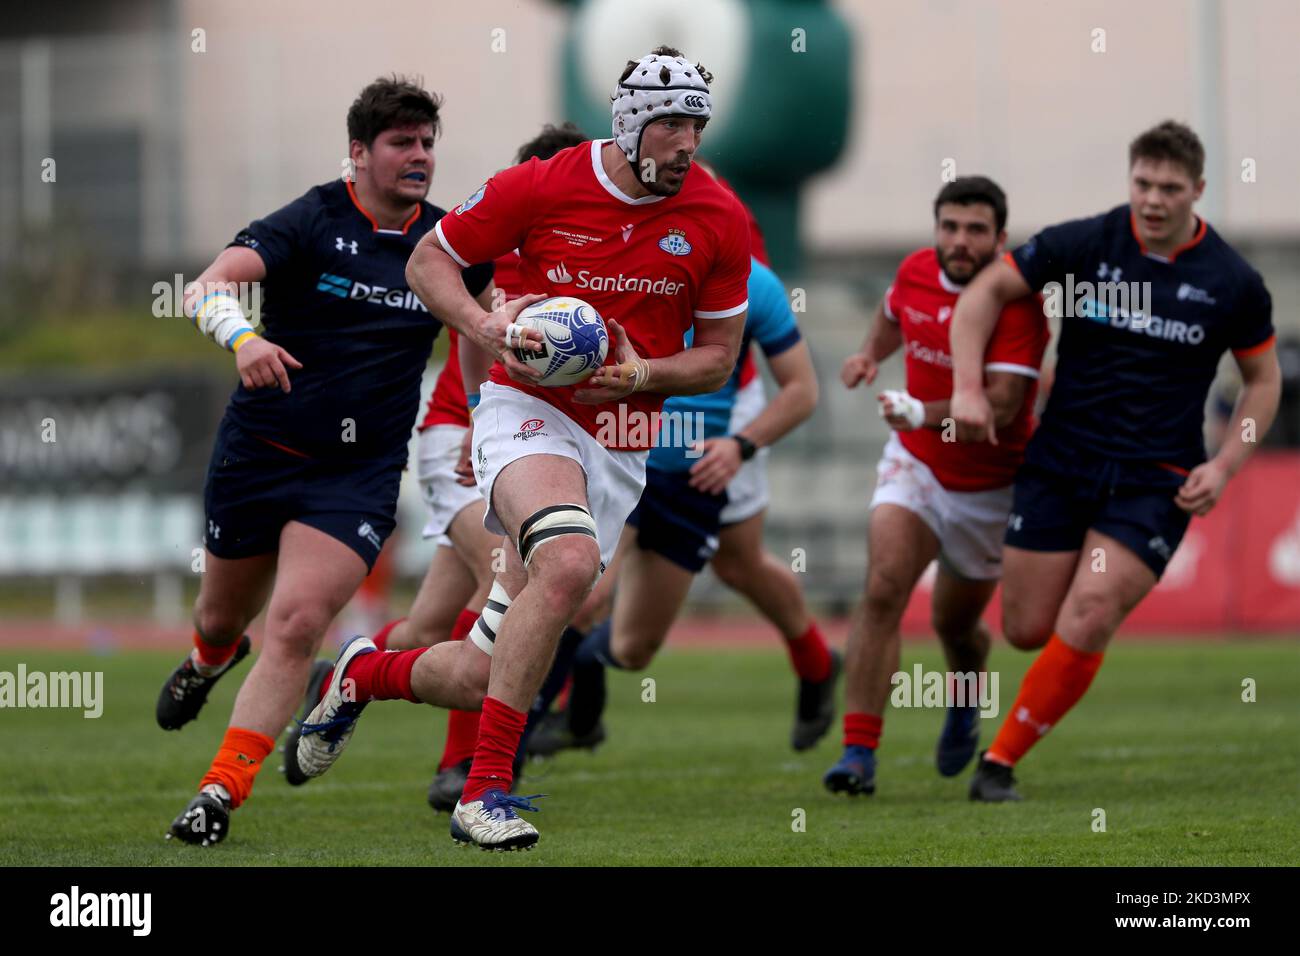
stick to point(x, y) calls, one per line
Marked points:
point(460, 574)
point(622, 224)
point(936, 497)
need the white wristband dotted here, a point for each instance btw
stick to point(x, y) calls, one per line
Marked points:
point(899, 404)
point(219, 317)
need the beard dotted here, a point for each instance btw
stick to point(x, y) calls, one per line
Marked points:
point(659, 186)
point(665, 189)
point(954, 271)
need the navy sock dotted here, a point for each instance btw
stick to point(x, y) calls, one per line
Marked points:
point(587, 698)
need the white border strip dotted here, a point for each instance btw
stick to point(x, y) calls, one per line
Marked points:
point(446, 246)
point(724, 314)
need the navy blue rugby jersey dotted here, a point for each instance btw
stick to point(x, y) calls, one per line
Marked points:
point(335, 296)
point(1132, 375)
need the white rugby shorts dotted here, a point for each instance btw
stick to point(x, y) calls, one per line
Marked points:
point(969, 524)
point(438, 450)
point(510, 424)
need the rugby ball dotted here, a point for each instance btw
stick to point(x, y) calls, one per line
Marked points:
point(575, 341)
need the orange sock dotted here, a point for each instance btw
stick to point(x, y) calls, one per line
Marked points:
point(214, 655)
point(1053, 684)
point(237, 762)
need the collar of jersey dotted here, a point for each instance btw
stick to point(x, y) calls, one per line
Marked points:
point(602, 177)
point(374, 225)
point(948, 285)
point(1201, 229)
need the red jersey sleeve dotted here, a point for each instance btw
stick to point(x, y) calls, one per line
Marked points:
point(891, 309)
point(725, 290)
point(494, 220)
point(1019, 338)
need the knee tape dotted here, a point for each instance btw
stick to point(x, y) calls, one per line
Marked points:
point(554, 522)
point(484, 632)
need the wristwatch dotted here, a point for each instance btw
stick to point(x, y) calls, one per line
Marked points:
point(747, 448)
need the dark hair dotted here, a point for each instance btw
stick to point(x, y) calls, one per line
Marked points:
point(705, 75)
point(1172, 141)
point(550, 141)
point(968, 190)
point(391, 101)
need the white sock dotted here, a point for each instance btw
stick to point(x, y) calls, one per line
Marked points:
point(207, 670)
point(217, 790)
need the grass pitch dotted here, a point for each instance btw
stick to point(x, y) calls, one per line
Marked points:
point(1185, 771)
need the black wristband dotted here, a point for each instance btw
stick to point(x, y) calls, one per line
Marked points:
point(747, 448)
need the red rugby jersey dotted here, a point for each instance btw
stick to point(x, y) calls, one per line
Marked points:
point(655, 263)
point(921, 301)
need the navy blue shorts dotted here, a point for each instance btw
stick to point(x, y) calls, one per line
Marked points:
point(676, 521)
point(1052, 510)
point(254, 489)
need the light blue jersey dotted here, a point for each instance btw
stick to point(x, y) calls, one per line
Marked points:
point(771, 323)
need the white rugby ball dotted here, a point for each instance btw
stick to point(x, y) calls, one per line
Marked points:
point(575, 341)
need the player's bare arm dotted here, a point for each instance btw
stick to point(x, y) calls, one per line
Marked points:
point(261, 364)
point(1256, 407)
point(883, 340)
point(794, 401)
point(1005, 392)
point(476, 362)
point(474, 366)
point(702, 368)
point(973, 320)
point(435, 277)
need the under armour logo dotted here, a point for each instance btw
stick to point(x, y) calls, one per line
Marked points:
point(1015, 522)
point(340, 245)
point(1104, 271)
point(1023, 715)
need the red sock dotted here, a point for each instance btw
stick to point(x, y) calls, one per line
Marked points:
point(809, 654)
point(462, 725)
point(381, 638)
point(1055, 681)
point(383, 675)
point(862, 730)
point(214, 655)
point(464, 624)
point(237, 762)
point(500, 728)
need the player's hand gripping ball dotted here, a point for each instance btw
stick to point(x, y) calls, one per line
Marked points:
point(575, 340)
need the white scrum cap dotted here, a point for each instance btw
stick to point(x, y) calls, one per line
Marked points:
point(658, 86)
